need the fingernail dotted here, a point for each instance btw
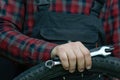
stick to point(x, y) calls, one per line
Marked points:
point(89, 67)
point(71, 71)
point(66, 68)
point(81, 70)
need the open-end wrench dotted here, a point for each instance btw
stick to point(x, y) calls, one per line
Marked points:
point(103, 51)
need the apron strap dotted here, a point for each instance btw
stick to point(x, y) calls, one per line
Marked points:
point(95, 10)
point(42, 2)
point(97, 6)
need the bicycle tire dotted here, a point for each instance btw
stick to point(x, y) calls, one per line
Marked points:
point(103, 65)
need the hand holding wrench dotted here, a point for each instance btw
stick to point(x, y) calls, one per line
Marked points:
point(103, 51)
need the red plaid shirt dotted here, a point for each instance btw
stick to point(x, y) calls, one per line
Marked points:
point(17, 23)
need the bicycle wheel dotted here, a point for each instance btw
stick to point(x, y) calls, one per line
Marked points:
point(102, 65)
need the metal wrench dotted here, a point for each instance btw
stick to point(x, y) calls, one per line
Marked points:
point(103, 51)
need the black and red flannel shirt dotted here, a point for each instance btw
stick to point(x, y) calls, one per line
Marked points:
point(17, 22)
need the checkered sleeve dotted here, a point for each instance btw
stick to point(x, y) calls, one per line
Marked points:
point(14, 44)
point(112, 24)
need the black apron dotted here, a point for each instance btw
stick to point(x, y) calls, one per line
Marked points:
point(62, 27)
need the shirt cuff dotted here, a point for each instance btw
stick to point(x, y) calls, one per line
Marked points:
point(47, 51)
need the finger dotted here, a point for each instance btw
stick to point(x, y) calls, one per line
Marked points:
point(79, 56)
point(64, 60)
point(87, 56)
point(60, 51)
point(88, 61)
point(72, 61)
point(80, 59)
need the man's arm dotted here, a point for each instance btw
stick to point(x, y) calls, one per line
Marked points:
point(30, 50)
point(14, 44)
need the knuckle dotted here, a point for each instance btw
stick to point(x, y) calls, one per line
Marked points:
point(70, 45)
point(78, 42)
point(63, 58)
point(87, 53)
point(80, 56)
point(61, 47)
point(73, 58)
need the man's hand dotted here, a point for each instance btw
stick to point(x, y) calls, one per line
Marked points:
point(72, 55)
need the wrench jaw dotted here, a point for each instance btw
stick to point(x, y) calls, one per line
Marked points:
point(103, 51)
point(109, 53)
point(110, 49)
point(107, 50)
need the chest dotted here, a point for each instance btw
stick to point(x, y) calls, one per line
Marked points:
point(67, 6)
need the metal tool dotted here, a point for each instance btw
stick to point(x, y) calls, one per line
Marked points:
point(51, 63)
point(103, 51)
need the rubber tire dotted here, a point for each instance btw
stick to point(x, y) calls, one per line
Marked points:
point(102, 65)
